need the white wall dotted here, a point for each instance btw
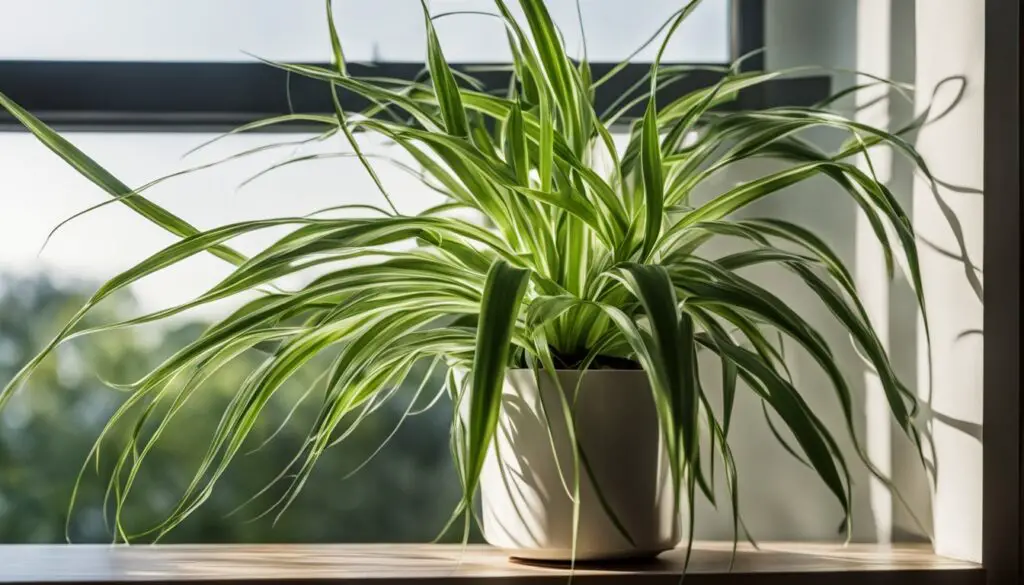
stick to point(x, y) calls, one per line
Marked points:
point(953, 146)
point(780, 499)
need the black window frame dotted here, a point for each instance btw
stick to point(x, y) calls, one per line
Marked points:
point(1003, 415)
point(216, 96)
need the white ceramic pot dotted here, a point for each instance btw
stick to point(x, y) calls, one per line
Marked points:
point(526, 507)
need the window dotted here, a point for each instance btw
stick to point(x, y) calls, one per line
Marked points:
point(189, 64)
point(145, 82)
point(405, 494)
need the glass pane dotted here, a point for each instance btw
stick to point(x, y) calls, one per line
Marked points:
point(383, 30)
point(87, 249)
point(406, 494)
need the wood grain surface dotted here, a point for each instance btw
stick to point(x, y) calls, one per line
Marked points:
point(392, 564)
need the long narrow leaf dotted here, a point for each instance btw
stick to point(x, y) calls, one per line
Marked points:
point(503, 293)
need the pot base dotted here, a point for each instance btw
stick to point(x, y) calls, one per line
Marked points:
point(562, 557)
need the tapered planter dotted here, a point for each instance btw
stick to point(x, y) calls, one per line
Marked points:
point(526, 505)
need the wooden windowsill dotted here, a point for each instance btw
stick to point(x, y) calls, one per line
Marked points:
point(408, 564)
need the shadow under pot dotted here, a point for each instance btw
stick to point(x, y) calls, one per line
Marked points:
point(626, 509)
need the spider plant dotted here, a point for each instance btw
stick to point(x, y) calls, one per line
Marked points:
point(590, 256)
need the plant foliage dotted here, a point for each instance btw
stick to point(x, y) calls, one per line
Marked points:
point(589, 257)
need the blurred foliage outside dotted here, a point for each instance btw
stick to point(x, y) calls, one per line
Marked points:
point(405, 494)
